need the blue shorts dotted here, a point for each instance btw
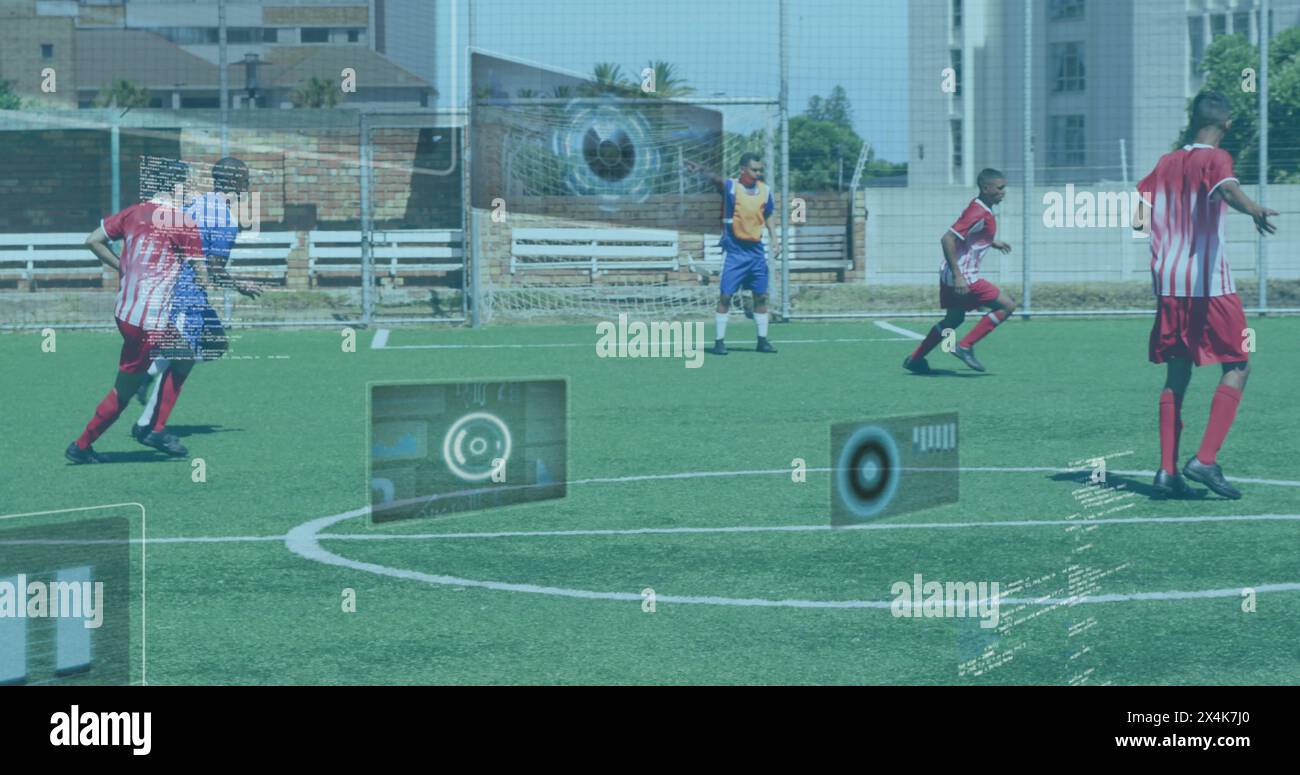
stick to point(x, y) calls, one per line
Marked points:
point(744, 270)
point(195, 321)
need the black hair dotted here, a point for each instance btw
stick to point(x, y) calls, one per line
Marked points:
point(988, 174)
point(1210, 108)
point(229, 175)
point(746, 158)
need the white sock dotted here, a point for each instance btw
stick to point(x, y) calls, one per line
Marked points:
point(159, 366)
point(760, 318)
point(720, 323)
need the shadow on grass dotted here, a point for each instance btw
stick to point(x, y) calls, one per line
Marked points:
point(181, 431)
point(1129, 484)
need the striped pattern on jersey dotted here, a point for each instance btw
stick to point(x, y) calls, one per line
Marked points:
point(976, 229)
point(1186, 222)
point(155, 245)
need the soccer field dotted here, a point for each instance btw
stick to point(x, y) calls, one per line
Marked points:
point(680, 482)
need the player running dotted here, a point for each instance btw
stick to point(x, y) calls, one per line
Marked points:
point(960, 286)
point(1199, 317)
point(192, 314)
point(747, 204)
point(156, 245)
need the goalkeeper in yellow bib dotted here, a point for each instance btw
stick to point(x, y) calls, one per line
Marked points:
point(747, 204)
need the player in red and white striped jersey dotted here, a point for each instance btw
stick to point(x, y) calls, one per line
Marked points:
point(960, 286)
point(156, 243)
point(1199, 317)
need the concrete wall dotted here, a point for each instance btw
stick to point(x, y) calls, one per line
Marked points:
point(904, 226)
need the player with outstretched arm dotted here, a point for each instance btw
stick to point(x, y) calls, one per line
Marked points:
point(1199, 318)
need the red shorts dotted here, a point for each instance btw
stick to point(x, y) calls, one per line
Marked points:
point(138, 348)
point(1207, 330)
point(982, 293)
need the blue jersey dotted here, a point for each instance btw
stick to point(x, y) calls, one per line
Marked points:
point(192, 314)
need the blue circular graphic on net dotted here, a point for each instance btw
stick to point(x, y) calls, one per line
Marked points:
point(608, 151)
point(867, 471)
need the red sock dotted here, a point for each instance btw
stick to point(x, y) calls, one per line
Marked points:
point(106, 414)
point(928, 344)
point(1223, 410)
point(167, 395)
point(1171, 427)
point(983, 328)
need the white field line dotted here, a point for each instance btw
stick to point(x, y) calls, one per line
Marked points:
point(592, 344)
point(304, 541)
point(899, 330)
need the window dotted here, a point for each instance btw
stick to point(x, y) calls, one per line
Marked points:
point(955, 58)
point(1067, 142)
point(315, 35)
point(956, 15)
point(1218, 25)
point(190, 36)
point(47, 51)
point(1065, 10)
point(1067, 67)
point(1241, 25)
point(1196, 42)
point(270, 35)
point(956, 144)
point(354, 36)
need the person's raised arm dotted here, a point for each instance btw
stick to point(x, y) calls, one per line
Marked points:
point(1231, 192)
point(715, 179)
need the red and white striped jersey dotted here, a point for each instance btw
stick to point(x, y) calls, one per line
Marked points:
point(1187, 244)
point(156, 243)
point(976, 229)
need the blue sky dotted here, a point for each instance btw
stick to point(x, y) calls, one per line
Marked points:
point(720, 47)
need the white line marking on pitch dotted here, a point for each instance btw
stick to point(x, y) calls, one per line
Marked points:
point(733, 529)
point(304, 541)
point(899, 330)
point(803, 528)
point(636, 531)
point(380, 341)
point(552, 345)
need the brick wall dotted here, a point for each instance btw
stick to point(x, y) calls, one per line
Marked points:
point(61, 180)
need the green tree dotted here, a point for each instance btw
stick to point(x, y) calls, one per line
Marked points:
point(317, 93)
point(121, 93)
point(609, 74)
point(1224, 61)
point(668, 83)
point(9, 100)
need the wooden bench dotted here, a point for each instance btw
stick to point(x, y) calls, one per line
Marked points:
point(31, 259)
point(812, 249)
point(264, 255)
point(593, 250)
point(394, 253)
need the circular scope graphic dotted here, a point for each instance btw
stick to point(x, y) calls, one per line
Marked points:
point(867, 471)
point(608, 149)
point(473, 443)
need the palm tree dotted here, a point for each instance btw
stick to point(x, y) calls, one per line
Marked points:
point(317, 93)
point(122, 93)
point(667, 82)
point(609, 74)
